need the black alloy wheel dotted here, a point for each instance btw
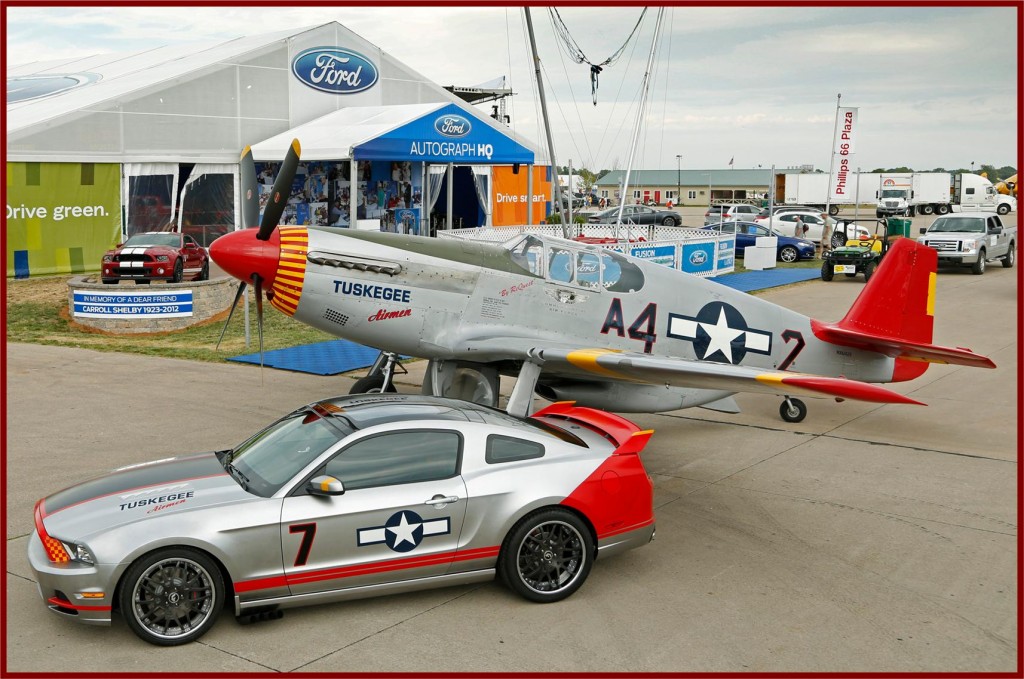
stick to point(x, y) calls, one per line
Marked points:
point(172, 596)
point(547, 556)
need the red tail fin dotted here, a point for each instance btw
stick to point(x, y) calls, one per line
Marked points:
point(899, 300)
point(895, 314)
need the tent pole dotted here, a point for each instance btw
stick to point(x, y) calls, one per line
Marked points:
point(353, 215)
point(424, 199)
point(529, 195)
point(451, 194)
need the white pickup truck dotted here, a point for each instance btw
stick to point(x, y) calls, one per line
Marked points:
point(971, 238)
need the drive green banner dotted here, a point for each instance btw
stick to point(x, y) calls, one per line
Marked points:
point(61, 217)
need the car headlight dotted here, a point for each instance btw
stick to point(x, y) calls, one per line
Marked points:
point(108, 258)
point(162, 258)
point(78, 552)
point(970, 245)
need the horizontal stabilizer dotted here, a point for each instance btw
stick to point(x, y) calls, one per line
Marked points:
point(899, 348)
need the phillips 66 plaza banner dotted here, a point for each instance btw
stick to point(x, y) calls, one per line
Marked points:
point(843, 185)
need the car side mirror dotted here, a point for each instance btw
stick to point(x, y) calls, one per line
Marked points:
point(924, 229)
point(996, 230)
point(325, 485)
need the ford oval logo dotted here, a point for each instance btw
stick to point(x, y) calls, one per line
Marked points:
point(698, 257)
point(334, 70)
point(452, 125)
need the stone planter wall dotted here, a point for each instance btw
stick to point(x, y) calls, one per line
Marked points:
point(210, 299)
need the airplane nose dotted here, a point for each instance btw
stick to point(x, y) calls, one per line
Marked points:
point(241, 254)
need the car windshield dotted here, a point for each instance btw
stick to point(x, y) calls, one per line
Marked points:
point(146, 239)
point(271, 458)
point(958, 225)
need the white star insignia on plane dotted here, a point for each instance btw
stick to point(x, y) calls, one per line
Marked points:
point(721, 335)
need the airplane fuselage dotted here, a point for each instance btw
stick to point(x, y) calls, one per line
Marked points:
point(432, 297)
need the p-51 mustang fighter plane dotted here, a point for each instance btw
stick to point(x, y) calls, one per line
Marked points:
point(578, 322)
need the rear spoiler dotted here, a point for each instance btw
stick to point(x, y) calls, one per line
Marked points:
point(628, 438)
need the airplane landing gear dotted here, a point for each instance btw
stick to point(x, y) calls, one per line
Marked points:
point(793, 410)
point(380, 379)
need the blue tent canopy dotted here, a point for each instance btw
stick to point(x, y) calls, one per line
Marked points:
point(447, 135)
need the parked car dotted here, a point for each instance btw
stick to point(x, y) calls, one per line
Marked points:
point(780, 209)
point(730, 211)
point(785, 223)
point(789, 249)
point(637, 214)
point(370, 492)
point(156, 255)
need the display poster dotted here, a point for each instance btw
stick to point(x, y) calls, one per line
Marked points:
point(508, 194)
point(659, 254)
point(698, 258)
point(61, 217)
point(726, 254)
point(132, 303)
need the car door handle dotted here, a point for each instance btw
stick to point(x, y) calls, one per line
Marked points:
point(440, 500)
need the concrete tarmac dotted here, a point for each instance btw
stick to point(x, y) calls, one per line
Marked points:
point(868, 538)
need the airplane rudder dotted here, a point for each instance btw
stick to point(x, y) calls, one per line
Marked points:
point(898, 300)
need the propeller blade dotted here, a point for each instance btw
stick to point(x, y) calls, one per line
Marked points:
point(259, 317)
point(280, 193)
point(238, 296)
point(250, 197)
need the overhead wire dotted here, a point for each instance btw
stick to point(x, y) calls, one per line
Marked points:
point(579, 117)
point(574, 51)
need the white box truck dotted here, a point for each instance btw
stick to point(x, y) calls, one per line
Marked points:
point(938, 193)
point(811, 189)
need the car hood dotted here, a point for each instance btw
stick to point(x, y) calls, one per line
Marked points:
point(139, 492)
point(149, 249)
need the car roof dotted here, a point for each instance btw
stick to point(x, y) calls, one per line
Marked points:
point(367, 410)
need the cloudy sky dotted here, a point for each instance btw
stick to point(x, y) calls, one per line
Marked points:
point(935, 86)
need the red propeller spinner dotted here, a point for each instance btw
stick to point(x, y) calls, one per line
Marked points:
point(242, 254)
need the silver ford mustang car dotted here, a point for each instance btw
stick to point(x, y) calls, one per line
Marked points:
point(349, 497)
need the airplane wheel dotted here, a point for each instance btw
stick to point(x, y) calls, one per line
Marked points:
point(793, 410)
point(371, 384)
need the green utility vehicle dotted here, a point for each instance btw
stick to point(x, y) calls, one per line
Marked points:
point(860, 253)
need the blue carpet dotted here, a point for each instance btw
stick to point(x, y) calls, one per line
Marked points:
point(769, 278)
point(339, 356)
point(323, 358)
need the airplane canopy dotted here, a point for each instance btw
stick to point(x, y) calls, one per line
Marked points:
point(432, 132)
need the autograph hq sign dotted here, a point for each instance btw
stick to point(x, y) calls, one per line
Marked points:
point(334, 70)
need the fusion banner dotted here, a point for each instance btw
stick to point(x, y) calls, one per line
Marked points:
point(843, 189)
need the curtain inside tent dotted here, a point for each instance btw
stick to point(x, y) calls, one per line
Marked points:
point(150, 197)
point(436, 178)
point(482, 181)
point(209, 202)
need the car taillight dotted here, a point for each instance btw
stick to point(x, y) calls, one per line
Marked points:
point(55, 551)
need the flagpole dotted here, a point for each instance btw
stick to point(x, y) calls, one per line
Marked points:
point(832, 161)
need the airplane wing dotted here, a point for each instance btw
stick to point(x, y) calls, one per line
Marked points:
point(677, 372)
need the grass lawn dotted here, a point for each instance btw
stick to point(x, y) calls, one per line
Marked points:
point(37, 312)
